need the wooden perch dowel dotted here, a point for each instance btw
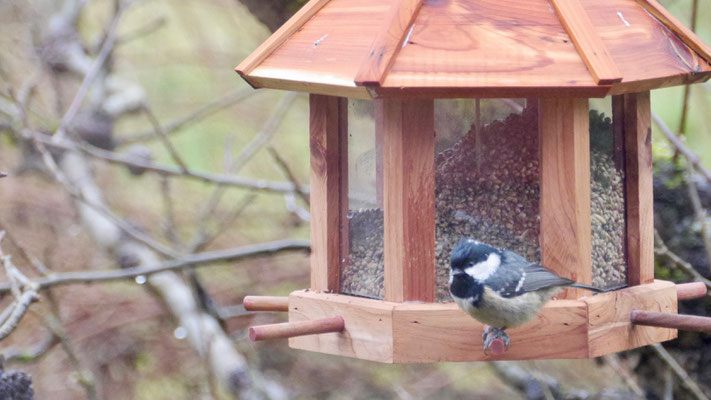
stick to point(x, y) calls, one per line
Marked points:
point(266, 303)
point(292, 329)
point(691, 290)
point(675, 321)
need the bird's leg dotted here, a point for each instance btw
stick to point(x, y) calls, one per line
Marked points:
point(493, 334)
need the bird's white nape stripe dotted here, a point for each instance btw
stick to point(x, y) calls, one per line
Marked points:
point(520, 282)
point(482, 270)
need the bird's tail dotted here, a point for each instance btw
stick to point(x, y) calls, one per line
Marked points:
point(596, 289)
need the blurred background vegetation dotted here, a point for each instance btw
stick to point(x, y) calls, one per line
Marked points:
point(182, 55)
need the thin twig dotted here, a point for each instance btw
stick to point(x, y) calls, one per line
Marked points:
point(208, 177)
point(96, 205)
point(262, 138)
point(613, 360)
point(203, 237)
point(96, 67)
point(661, 249)
point(141, 31)
point(231, 255)
point(19, 308)
point(170, 227)
point(227, 100)
point(34, 261)
point(676, 142)
point(33, 353)
point(680, 372)
point(281, 163)
point(54, 323)
point(164, 139)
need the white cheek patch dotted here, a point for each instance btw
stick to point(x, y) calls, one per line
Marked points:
point(484, 269)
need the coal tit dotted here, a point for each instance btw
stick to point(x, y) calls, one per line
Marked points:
point(500, 288)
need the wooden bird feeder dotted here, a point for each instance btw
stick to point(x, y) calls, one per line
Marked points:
point(439, 119)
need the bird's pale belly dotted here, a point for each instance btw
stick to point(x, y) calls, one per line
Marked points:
point(500, 312)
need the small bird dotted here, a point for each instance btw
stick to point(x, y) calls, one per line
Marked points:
point(500, 288)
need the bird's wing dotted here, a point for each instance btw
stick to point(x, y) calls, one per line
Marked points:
point(508, 278)
point(532, 276)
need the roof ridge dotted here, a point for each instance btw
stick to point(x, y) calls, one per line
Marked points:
point(587, 42)
point(280, 36)
point(387, 44)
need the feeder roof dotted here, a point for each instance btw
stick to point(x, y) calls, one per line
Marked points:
point(478, 48)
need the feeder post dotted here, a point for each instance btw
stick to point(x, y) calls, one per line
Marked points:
point(408, 180)
point(329, 189)
point(638, 186)
point(565, 238)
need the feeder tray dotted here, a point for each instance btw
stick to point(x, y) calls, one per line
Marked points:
point(526, 127)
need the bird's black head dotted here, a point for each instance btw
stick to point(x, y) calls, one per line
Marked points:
point(468, 253)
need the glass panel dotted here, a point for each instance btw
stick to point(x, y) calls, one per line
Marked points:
point(362, 270)
point(487, 178)
point(607, 202)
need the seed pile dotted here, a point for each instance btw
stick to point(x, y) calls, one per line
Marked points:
point(489, 191)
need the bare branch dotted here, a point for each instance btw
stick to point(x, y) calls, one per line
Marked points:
point(142, 31)
point(661, 249)
point(33, 353)
point(228, 100)
point(19, 308)
point(164, 139)
point(289, 174)
point(96, 67)
point(208, 177)
point(25, 293)
point(262, 138)
point(231, 255)
point(680, 372)
point(690, 156)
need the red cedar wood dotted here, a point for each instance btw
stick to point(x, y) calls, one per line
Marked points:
point(565, 236)
point(279, 37)
point(287, 330)
point(674, 321)
point(266, 303)
point(587, 41)
point(431, 332)
point(639, 200)
point(609, 326)
point(691, 290)
point(388, 43)
point(328, 129)
point(408, 178)
point(686, 34)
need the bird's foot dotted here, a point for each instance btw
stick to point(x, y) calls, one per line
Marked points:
point(495, 340)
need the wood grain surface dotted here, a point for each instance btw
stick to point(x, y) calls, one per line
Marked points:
point(565, 236)
point(280, 36)
point(638, 188)
point(368, 325)
point(408, 178)
point(329, 175)
point(388, 42)
point(643, 49)
point(609, 326)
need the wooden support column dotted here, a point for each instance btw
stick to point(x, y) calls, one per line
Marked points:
point(329, 189)
point(565, 189)
point(408, 177)
point(639, 197)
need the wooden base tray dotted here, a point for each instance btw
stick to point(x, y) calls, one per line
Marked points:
point(391, 332)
